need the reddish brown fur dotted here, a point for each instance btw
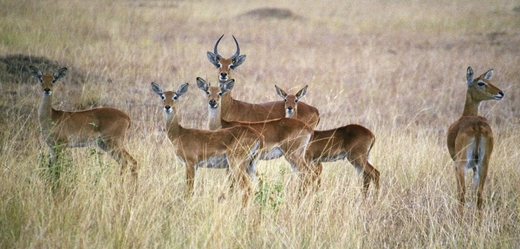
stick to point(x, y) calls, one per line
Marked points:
point(470, 139)
point(291, 136)
point(194, 146)
point(237, 110)
point(61, 129)
point(353, 142)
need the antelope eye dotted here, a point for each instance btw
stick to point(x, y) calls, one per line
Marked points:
point(480, 83)
point(207, 92)
point(220, 94)
point(219, 65)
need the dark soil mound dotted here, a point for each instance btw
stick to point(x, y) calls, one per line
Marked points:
point(15, 69)
point(273, 13)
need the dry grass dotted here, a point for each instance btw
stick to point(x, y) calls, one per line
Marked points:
point(396, 67)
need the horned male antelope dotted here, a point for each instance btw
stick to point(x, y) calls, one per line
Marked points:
point(470, 139)
point(353, 142)
point(225, 65)
point(237, 110)
point(103, 125)
point(283, 136)
point(237, 146)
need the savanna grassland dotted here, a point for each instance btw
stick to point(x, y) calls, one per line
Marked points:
point(397, 67)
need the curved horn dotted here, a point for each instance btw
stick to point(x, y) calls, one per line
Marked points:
point(238, 50)
point(215, 51)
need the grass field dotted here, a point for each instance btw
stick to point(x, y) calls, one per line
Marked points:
point(397, 67)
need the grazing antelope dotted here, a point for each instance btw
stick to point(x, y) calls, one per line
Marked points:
point(470, 139)
point(282, 137)
point(236, 146)
point(237, 110)
point(103, 125)
point(353, 142)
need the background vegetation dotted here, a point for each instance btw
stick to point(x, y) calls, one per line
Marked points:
point(397, 67)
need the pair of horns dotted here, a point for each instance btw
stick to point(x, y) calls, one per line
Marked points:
point(237, 53)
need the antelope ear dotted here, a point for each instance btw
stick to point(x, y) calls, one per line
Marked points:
point(60, 74)
point(182, 90)
point(281, 92)
point(35, 72)
point(301, 93)
point(488, 74)
point(469, 76)
point(157, 90)
point(227, 86)
point(213, 59)
point(238, 61)
point(202, 85)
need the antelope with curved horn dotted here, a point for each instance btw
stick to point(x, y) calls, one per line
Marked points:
point(282, 137)
point(237, 146)
point(103, 125)
point(352, 142)
point(470, 139)
point(237, 110)
point(225, 65)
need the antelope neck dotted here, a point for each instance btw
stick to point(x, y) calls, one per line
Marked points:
point(470, 106)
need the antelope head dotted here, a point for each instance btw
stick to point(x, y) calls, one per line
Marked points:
point(214, 93)
point(481, 88)
point(225, 65)
point(291, 101)
point(47, 80)
point(169, 97)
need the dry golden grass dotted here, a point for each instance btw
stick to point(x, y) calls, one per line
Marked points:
point(397, 67)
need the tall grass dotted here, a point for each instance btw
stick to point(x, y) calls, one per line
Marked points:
point(396, 67)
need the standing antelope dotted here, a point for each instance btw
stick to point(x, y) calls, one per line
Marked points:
point(103, 125)
point(282, 137)
point(470, 139)
point(237, 110)
point(237, 146)
point(353, 142)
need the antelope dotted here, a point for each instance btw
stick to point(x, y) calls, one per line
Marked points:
point(352, 142)
point(283, 136)
point(236, 146)
point(470, 139)
point(237, 110)
point(225, 65)
point(61, 129)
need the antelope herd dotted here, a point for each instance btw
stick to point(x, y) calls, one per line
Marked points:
point(240, 133)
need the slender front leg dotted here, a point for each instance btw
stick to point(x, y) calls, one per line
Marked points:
point(317, 169)
point(190, 178)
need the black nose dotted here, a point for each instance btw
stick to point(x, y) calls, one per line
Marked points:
point(501, 93)
point(223, 75)
point(167, 107)
point(213, 103)
point(47, 91)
